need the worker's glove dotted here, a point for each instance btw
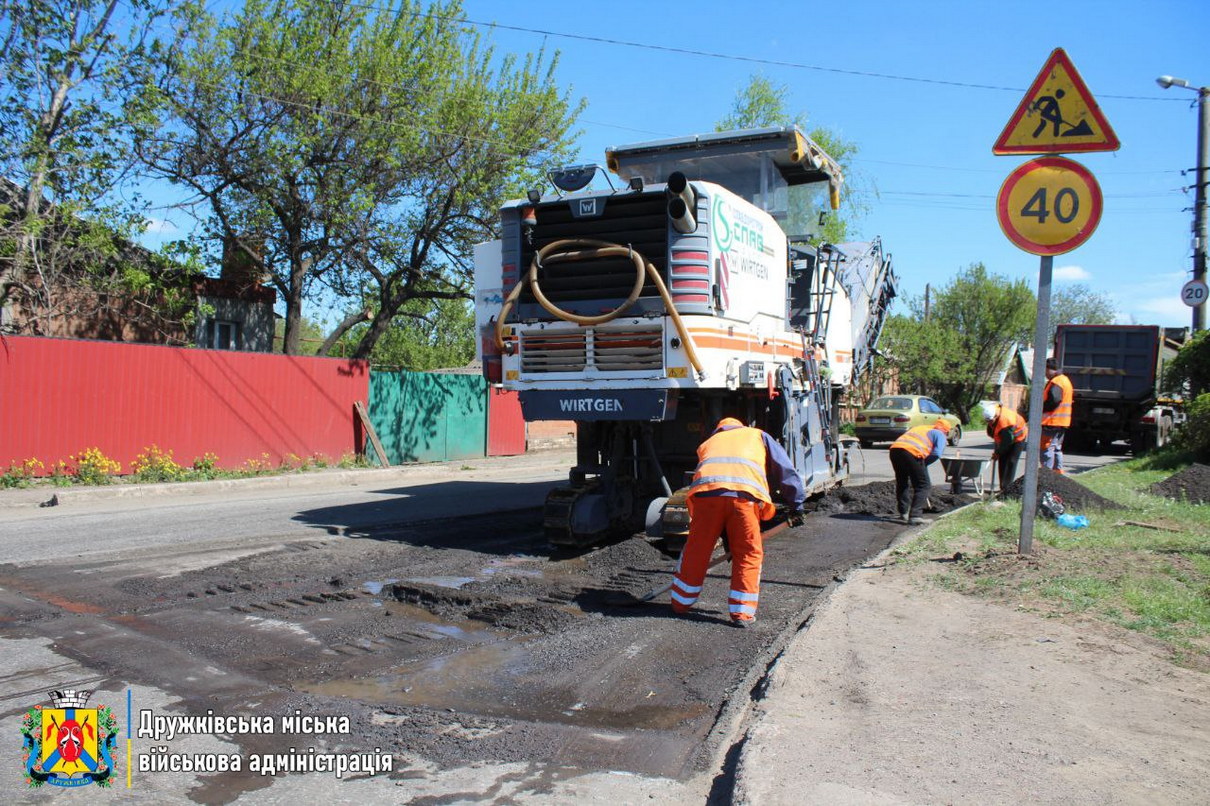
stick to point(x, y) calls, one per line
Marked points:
point(797, 517)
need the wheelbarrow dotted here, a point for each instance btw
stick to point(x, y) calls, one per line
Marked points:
point(958, 471)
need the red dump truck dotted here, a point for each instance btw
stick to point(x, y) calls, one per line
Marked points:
point(1116, 372)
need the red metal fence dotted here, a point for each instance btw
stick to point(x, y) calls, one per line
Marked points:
point(61, 396)
point(505, 425)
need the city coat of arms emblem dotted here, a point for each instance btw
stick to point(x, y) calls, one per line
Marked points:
point(69, 744)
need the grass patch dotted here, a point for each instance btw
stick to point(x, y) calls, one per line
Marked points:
point(1145, 567)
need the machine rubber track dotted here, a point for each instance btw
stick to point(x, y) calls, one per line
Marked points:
point(557, 516)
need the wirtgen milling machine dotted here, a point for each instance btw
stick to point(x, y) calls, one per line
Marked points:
point(648, 311)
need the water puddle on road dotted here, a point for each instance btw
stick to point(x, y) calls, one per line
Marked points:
point(490, 672)
point(470, 678)
point(375, 587)
point(440, 581)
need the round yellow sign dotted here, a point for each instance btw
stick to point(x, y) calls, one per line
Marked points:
point(1049, 206)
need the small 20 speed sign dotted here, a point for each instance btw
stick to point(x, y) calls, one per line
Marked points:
point(1194, 293)
point(1049, 206)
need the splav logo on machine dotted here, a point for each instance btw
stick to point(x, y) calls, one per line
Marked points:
point(67, 744)
point(739, 239)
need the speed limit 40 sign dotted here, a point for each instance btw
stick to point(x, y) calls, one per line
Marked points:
point(1049, 206)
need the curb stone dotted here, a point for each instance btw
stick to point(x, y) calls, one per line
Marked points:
point(44, 494)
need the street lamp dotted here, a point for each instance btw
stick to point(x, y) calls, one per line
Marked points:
point(1199, 198)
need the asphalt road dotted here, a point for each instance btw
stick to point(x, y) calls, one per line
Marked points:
point(423, 604)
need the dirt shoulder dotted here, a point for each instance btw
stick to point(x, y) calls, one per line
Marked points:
point(901, 692)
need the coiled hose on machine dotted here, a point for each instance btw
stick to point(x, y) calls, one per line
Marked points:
point(570, 249)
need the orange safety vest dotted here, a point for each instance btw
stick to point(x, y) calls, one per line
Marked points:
point(916, 441)
point(734, 460)
point(1014, 422)
point(1060, 416)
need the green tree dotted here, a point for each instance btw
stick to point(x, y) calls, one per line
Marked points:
point(762, 102)
point(72, 99)
point(425, 334)
point(1078, 304)
point(311, 335)
point(956, 353)
point(356, 151)
point(1188, 374)
point(919, 352)
point(1189, 371)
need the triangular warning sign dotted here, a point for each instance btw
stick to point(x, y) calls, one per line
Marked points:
point(1057, 115)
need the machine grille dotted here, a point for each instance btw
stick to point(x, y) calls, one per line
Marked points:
point(623, 348)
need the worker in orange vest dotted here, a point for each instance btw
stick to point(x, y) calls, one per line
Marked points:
point(1008, 431)
point(1057, 400)
point(911, 456)
point(739, 468)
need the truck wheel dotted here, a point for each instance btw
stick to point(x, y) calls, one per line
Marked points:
point(1141, 442)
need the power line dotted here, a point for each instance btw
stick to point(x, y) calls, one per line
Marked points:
point(507, 148)
point(748, 59)
point(391, 124)
point(933, 195)
point(999, 171)
point(734, 57)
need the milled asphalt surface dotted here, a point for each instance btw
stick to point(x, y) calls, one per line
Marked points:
point(764, 762)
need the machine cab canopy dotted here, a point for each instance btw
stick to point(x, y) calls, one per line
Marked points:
point(778, 169)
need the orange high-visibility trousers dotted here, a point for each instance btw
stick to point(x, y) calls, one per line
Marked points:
point(709, 517)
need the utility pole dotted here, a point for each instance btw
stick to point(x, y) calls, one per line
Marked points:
point(1199, 200)
point(1199, 195)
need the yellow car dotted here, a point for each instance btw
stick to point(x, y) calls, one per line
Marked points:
point(887, 417)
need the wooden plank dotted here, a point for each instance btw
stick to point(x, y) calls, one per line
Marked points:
point(360, 408)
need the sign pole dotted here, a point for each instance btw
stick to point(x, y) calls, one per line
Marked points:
point(1048, 207)
point(1033, 445)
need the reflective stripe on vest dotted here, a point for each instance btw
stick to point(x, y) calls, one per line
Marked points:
point(916, 441)
point(1013, 422)
point(1060, 417)
point(733, 460)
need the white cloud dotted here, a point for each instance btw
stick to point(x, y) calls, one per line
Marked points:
point(1071, 274)
point(1167, 311)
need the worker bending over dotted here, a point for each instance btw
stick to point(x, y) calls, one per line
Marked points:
point(911, 456)
point(738, 471)
point(1008, 431)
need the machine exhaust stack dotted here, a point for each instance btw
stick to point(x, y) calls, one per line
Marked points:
point(682, 202)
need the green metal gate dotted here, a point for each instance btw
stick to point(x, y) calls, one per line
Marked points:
point(429, 417)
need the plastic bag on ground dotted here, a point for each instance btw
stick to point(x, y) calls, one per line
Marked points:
point(1072, 521)
point(1051, 505)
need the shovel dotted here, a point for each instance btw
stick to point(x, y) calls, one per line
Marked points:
point(622, 599)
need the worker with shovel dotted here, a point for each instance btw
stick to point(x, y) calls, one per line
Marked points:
point(1008, 431)
point(731, 493)
point(1057, 401)
point(911, 456)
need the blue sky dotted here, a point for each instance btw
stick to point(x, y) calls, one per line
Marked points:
point(923, 89)
point(925, 144)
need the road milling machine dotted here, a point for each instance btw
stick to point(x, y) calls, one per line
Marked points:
point(649, 309)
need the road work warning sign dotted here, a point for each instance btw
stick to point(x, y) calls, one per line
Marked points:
point(1057, 115)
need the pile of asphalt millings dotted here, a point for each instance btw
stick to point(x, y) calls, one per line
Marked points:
point(878, 498)
point(1192, 485)
point(1076, 497)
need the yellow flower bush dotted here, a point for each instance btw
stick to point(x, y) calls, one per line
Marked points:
point(154, 465)
point(91, 466)
point(19, 474)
